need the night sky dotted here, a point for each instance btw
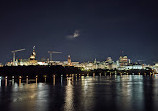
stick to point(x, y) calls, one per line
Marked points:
point(85, 29)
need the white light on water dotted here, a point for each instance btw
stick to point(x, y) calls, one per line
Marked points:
point(0, 81)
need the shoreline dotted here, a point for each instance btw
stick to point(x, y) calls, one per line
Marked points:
point(59, 71)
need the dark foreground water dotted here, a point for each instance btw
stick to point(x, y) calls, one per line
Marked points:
point(105, 93)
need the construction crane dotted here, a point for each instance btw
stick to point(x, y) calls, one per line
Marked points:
point(14, 54)
point(52, 52)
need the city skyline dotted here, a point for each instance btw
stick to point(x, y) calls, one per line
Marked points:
point(63, 57)
point(53, 56)
point(84, 29)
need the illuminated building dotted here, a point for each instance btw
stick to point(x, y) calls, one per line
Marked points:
point(109, 60)
point(123, 61)
point(33, 60)
point(122, 64)
point(155, 67)
point(69, 61)
point(1, 65)
point(76, 64)
point(109, 63)
point(25, 62)
point(33, 55)
point(133, 67)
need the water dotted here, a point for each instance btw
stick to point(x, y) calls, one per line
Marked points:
point(99, 93)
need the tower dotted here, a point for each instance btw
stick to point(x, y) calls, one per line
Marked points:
point(32, 58)
point(33, 55)
point(69, 60)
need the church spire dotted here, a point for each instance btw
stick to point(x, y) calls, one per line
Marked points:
point(33, 55)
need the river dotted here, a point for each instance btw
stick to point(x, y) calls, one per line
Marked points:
point(83, 93)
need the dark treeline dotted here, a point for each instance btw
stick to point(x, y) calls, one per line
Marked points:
point(37, 70)
point(64, 71)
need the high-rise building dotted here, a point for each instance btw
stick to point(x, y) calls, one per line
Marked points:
point(123, 61)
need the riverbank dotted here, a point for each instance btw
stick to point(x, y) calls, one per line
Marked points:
point(59, 71)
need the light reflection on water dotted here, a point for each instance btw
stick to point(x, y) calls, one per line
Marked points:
point(69, 96)
point(81, 93)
